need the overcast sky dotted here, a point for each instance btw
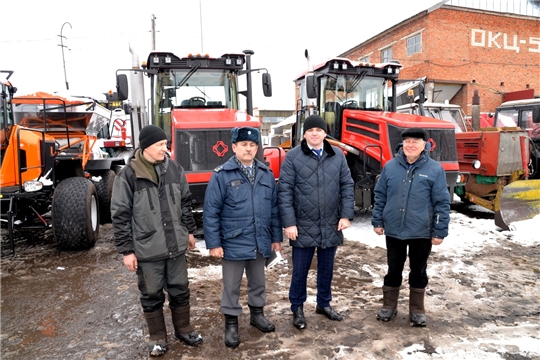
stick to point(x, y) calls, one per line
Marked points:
point(97, 37)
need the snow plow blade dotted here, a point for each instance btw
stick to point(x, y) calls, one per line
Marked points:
point(518, 201)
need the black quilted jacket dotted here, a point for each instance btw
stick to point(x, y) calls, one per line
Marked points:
point(314, 194)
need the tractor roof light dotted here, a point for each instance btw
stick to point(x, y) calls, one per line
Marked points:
point(168, 60)
point(155, 60)
point(336, 66)
point(476, 164)
point(33, 186)
point(228, 61)
point(389, 70)
point(238, 61)
point(344, 66)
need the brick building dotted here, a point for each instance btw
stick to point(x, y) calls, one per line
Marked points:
point(462, 49)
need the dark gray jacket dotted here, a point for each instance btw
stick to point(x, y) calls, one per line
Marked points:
point(151, 220)
point(315, 194)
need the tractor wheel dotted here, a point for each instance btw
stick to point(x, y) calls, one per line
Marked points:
point(75, 214)
point(104, 189)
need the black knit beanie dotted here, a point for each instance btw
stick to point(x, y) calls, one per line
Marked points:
point(314, 121)
point(151, 134)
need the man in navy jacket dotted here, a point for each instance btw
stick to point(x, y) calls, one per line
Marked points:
point(316, 202)
point(242, 227)
point(412, 208)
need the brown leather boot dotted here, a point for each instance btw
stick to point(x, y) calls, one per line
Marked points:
point(157, 331)
point(417, 312)
point(390, 302)
point(182, 327)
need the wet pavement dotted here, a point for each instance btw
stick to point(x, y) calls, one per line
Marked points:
point(84, 305)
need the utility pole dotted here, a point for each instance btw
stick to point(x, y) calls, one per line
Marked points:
point(153, 18)
point(62, 37)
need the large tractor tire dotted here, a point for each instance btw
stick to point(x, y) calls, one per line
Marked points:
point(104, 189)
point(75, 214)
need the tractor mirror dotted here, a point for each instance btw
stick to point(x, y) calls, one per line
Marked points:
point(311, 87)
point(122, 87)
point(267, 84)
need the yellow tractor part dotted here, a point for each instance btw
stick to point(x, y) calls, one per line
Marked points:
point(518, 201)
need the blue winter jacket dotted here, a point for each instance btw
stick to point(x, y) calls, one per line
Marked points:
point(314, 194)
point(412, 203)
point(240, 218)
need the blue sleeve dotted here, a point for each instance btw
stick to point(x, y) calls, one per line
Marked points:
point(286, 192)
point(380, 200)
point(213, 205)
point(441, 205)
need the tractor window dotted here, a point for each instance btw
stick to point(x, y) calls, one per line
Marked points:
point(6, 115)
point(182, 89)
point(507, 118)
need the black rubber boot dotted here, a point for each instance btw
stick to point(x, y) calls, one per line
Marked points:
point(258, 320)
point(417, 312)
point(390, 302)
point(157, 331)
point(182, 327)
point(231, 331)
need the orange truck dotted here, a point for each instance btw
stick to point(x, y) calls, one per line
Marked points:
point(50, 165)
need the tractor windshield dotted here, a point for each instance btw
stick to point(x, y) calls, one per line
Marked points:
point(192, 89)
point(356, 92)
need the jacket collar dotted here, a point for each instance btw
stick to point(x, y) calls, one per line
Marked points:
point(328, 149)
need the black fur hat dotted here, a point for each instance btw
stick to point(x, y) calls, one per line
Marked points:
point(416, 132)
point(245, 133)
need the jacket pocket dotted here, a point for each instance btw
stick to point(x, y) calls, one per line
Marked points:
point(146, 236)
point(232, 233)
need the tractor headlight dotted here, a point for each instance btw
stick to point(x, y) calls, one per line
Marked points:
point(476, 164)
point(32, 186)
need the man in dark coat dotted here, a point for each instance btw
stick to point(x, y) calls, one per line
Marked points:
point(412, 208)
point(242, 227)
point(153, 228)
point(316, 202)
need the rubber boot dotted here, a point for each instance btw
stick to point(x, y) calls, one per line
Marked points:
point(231, 331)
point(417, 312)
point(390, 302)
point(157, 331)
point(258, 320)
point(182, 328)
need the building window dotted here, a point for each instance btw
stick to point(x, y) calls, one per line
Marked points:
point(414, 44)
point(365, 59)
point(386, 55)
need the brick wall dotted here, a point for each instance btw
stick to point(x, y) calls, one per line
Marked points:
point(490, 52)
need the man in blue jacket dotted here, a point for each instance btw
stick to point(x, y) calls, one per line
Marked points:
point(412, 207)
point(316, 202)
point(242, 227)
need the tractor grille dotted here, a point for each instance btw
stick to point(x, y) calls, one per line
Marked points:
point(444, 140)
point(202, 150)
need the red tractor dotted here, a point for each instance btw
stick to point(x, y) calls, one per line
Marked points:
point(195, 99)
point(357, 102)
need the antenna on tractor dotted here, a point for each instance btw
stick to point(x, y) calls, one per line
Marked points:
point(200, 19)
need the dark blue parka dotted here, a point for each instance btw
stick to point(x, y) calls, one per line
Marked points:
point(412, 202)
point(314, 194)
point(240, 218)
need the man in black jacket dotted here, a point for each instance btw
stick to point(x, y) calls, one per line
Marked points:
point(153, 228)
point(316, 202)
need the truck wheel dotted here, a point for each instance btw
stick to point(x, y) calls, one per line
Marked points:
point(104, 189)
point(75, 214)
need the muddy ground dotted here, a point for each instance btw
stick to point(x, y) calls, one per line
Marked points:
point(84, 305)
